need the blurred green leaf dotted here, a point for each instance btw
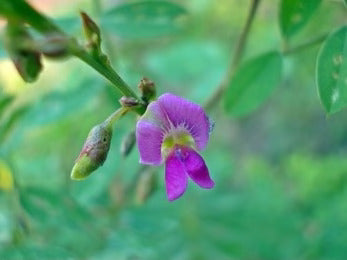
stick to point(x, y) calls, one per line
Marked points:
point(190, 67)
point(331, 71)
point(310, 178)
point(69, 24)
point(7, 124)
point(58, 104)
point(294, 14)
point(253, 83)
point(21, 11)
point(144, 19)
point(5, 100)
point(32, 252)
point(40, 203)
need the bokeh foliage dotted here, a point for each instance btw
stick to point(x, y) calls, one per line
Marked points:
point(280, 169)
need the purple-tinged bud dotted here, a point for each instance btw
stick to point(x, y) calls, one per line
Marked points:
point(128, 102)
point(128, 143)
point(21, 49)
point(55, 46)
point(147, 89)
point(94, 152)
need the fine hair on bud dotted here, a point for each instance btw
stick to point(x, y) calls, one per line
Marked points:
point(94, 151)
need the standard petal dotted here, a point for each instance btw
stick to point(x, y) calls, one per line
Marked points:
point(155, 115)
point(196, 168)
point(175, 177)
point(149, 138)
point(181, 112)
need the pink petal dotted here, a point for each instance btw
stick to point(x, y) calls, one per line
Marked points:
point(149, 138)
point(155, 115)
point(196, 168)
point(175, 177)
point(161, 116)
point(181, 112)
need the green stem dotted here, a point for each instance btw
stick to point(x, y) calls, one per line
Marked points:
point(115, 116)
point(238, 54)
point(305, 45)
point(107, 72)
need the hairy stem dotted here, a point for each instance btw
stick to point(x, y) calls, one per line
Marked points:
point(238, 54)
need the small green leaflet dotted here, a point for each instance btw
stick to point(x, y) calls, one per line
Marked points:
point(294, 14)
point(253, 83)
point(331, 71)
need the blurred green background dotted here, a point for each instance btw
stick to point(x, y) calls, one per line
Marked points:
point(280, 172)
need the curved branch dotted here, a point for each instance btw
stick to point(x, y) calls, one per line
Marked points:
point(238, 54)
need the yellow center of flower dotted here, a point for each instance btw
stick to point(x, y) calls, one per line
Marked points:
point(176, 138)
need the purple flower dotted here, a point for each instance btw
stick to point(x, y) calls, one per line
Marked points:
point(173, 130)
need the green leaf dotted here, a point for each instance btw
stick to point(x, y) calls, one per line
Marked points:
point(144, 19)
point(331, 71)
point(253, 83)
point(294, 14)
point(59, 104)
point(9, 121)
point(40, 203)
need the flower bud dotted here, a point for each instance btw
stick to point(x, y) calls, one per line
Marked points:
point(55, 46)
point(92, 32)
point(117, 191)
point(147, 89)
point(128, 101)
point(21, 49)
point(94, 152)
point(146, 185)
point(128, 143)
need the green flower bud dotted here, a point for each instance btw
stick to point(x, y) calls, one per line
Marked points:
point(92, 33)
point(147, 89)
point(128, 143)
point(146, 185)
point(21, 49)
point(94, 152)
